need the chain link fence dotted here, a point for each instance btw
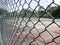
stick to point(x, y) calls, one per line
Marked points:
point(30, 22)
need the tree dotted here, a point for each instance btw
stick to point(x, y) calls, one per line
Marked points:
point(26, 12)
point(14, 14)
point(2, 11)
point(40, 10)
point(55, 11)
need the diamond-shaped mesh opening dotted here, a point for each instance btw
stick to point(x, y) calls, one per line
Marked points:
point(34, 19)
point(57, 21)
point(30, 24)
point(46, 3)
point(39, 25)
point(33, 6)
point(54, 30)
point(46, 21)
point(35, 32)
point(46, 37)
point(25, 5)
point(23, 23)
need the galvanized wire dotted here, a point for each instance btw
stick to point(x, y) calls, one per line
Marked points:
point(18, 27)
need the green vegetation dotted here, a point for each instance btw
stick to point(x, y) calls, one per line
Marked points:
point(53, 11)
point(2, 11)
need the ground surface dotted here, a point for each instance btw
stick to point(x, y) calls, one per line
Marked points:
point(52, 31)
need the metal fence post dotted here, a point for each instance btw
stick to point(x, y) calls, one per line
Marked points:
point(1, 29)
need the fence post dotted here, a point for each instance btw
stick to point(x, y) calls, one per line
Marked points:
point(1, 29)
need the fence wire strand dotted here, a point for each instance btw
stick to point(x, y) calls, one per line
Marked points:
point(29, 22)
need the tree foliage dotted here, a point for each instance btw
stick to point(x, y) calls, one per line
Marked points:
point(13, 14)
point(26, 12)
point(54, 11)
point(2, 11)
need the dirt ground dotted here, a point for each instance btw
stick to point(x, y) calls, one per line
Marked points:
point(46, 36)
point(39, 36)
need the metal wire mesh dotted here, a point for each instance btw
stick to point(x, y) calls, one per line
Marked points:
point(28, 22)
